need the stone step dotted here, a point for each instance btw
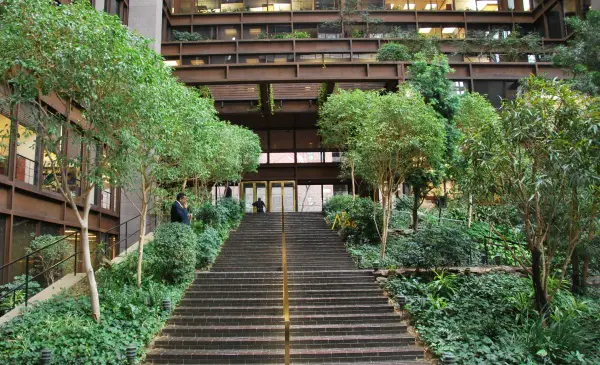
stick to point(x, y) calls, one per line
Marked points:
point(386, 340)
point(233, 294)
point(346, 329)
point(199, 343)
point(334, 292)
point(224, 330)
point(215, 357)
point(275, 310)
point(357, 354)
point(229, 319)
point(345, 318)
point(339, 309)
point(207, 286)
point(224, 302)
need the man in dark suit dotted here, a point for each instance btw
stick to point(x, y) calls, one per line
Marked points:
point(179, 211)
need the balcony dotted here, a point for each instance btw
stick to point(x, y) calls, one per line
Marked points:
point(250, 6)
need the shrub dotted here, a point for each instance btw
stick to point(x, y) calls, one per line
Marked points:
point(11, 301)
point(364, 218)
point(208, 244)
point(45, 259)
point(491, 320)
point(187, 36)
point(174, 254)
point(63, 324)
point(393, 52)
point(431, 247)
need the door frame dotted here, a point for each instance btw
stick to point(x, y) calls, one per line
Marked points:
point(254, 192)
point(281, 184)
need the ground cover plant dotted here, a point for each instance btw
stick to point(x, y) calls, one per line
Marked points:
point(491, 319)
point(131, 314)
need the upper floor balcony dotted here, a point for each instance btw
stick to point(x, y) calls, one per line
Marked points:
point(229, 6)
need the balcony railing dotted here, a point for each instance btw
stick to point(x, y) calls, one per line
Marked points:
point(229, 6)
point(21, 292)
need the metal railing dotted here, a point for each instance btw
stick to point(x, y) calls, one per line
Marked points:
point(123, 231)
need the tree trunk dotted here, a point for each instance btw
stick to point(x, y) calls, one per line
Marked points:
point(540, 292)
point(143, 212)
point(87, 259)
point(184, 185)
point(585, 272)
point(575, 275)
point(415, 208)
point(470, 211)
point(384, 229)
point(353, 181)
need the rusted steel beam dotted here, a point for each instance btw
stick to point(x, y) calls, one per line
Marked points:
point(337, 72)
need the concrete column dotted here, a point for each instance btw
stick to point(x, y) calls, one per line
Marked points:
point(145, 16)
point(99, 5)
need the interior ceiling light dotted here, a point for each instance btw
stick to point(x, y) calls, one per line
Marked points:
point(255, 31)
point(448, 30)
point(424, 30)
point(307, 88)
point(230, 32)
point(408, 7)
point(171, 63)
point(430, 6)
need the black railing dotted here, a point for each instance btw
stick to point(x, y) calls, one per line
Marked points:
point(123, 232)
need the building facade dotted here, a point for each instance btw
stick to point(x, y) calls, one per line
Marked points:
point(268, 65)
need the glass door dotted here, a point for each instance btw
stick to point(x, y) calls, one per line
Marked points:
point(250, 192)
point(282, 191)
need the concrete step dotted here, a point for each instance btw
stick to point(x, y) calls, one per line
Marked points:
point(205, 343)
point(231, 356)
point(357, 354)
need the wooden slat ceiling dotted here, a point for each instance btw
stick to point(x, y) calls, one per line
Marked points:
point(296, 91)
point(234, 92)
point(361, 85)
point(283, 91)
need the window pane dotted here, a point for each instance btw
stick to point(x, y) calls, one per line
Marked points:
point(309, 198)
point(23, 232)
point(4, 143)
point(309, 157)
point(2, 243)
point(286, 157)
point(281, 139)
point(26, 168)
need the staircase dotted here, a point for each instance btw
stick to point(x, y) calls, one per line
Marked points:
point(234, 313)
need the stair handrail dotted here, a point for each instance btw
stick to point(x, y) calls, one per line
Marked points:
point(150, 226)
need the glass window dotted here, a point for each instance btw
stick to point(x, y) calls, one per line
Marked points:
point(219, 60)
point(555, 22)
point(50, 228)
point(309, 157)
point(255, 31)
point(229, 33)
point(285, 157)
point(24, 231)
point(263, 158)
point(49, 180)
point(232, 5)
point(2, 243)
point(307, 138)
point(4, 143)
point(106, 196)
point(74, 155)
point(459, 87)
point(494, 90)
point(364, 57)
point(309, 198)
point(303, 5)
point(281, 139)
point(27, 149)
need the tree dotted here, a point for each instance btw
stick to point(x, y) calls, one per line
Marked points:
point(400, 133)
point(429, 78)
point(477, 121)
point(581, 55)
point(88, 61)
point(341, 120)
point(541, 157)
